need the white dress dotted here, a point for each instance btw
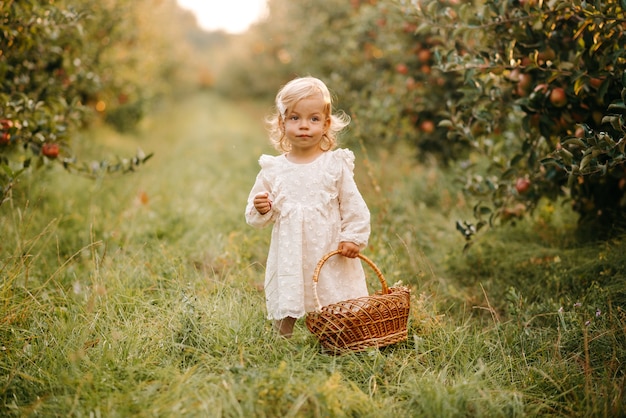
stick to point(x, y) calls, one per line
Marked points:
point(315, 206)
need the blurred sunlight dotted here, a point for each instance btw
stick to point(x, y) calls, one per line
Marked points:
point(232, 16)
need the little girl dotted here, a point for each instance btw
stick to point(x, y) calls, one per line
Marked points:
point(309, 194)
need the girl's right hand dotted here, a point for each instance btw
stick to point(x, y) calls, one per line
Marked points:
point(349, 249)
point(262, 203)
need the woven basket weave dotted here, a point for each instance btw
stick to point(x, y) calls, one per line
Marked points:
point(355, 324)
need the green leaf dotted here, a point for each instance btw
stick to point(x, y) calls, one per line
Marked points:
point(483, 210)
point(574, 141)
point(617, 106)
point(7, 170)
point(571, 179)
point(510, 173)
point(445, 123)
point(615, 121)
point(579, 84)
point(608, 139)
point(567, 156)
point(586, 161)
point(562, 5)
point(551, 162)
point(516, 159)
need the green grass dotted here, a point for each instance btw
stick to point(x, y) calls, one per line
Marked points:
point(142, 295)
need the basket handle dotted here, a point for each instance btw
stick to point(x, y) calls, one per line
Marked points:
point(318, 268)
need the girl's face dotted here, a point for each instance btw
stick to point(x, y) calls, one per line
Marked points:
point(305, 126)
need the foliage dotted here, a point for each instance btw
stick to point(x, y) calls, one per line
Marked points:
point(65, 64)
point(544, 102)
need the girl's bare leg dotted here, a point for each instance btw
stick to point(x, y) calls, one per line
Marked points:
point(285, 326)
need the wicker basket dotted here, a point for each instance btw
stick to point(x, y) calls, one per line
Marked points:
point(356, 324)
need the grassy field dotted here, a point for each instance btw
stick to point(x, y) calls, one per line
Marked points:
point(142, 295)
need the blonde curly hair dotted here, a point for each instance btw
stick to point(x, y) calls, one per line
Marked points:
point(294, 91)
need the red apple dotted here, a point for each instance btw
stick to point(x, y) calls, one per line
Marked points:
point(50, 150)
point(6, 124)
point(596, 82)
point(427, 126)
point(524, 84)
point(522, 185)
point(558, 97)
point(424, 55)
point(402, 68)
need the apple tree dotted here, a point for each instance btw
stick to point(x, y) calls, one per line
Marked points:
point(385, 73)
point(543, 101)
point(64, 64)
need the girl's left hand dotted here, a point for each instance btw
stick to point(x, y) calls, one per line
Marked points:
point(262, 203)
point(349, 249)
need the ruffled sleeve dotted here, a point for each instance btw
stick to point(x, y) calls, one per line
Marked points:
point(345, 157)
point(262, 184)
point(355, 216)
point(268, 161)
